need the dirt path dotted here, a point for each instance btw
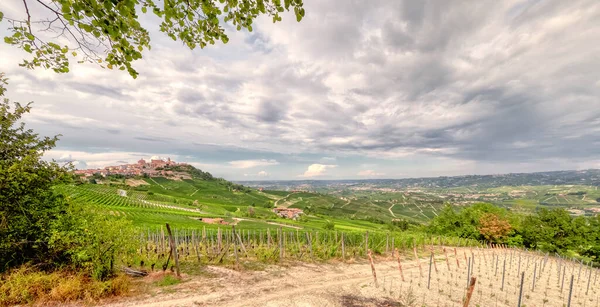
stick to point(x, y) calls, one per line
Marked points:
point(390, 209)
point(283, 198)
point(301, 285)
point(270, 223)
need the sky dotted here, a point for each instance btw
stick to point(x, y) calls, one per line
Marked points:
point(358, 89)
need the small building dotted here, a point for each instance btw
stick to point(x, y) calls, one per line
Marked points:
point(288, 213)
point(122, 193)
point(141, 162)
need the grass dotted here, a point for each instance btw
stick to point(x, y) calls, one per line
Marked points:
point(27, 285)
point(168, 280)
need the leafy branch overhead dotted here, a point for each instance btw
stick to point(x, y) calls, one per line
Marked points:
point(109, 32)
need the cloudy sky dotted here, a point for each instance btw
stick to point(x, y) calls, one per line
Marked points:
point(358, 89)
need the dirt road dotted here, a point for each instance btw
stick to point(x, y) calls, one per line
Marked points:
point(300, 285)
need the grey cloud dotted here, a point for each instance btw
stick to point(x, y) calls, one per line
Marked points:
point(151, 139)
point(272, 111)
point(96, 89)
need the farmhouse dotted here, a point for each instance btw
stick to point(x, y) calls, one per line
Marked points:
point(288, 213)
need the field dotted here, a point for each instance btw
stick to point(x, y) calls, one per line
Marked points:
point(183, 202)
point(504, 277)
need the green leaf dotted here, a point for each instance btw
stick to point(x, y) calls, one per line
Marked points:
point(144, 9)
point(1, 15)
point(29, 36)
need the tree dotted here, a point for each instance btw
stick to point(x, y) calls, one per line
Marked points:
point(493, 228)
point(28, 205)
point(108, 32)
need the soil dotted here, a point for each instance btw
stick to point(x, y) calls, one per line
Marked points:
point(302, 284)
point(352, 283)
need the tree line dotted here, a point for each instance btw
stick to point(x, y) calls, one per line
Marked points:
point(547, 230)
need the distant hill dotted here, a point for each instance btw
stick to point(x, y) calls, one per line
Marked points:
point(589, 177)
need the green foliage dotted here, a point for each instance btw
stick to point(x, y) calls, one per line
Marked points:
point(27, 203)
point(114, 27)
point(92, 240)
point(554, 231)
point(329, 225)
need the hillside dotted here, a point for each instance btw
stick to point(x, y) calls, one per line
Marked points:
point(154, 201)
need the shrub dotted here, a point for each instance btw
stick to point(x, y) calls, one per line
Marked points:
point(329, 225)
point(91, 240)
point(27, 285)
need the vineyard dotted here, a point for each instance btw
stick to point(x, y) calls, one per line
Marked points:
point(502, 277)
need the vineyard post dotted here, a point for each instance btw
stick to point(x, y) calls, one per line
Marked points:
point(446, 255)
point(434, 264)
point(194, 243)
point(418, 262)
point(366, 241)
point(562, 283)
point(242, 244)
point(309, 241)
point(471, 287)
point(521, 288)
point(280, 235)
point(588, 285)
point(343, 248)
point(519, 269)
point(393, 246)
point(235, 249)
point(268, 238)
point(456, 256)
point(429, 276)
point(497, 259)
point(570, 291)
point(173, 249)
point(503, 272)
point(580, 266)
point(372, 267)
point(534, 272)
point(219, 239)
point(162, 239)
point(400, 265)
point(468, 271)
point(387, 243)
point(465, 254)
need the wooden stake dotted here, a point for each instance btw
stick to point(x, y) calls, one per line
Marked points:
point(447, 262)
point(400, 265)
point(372, 267)
point(418, 262)
point(470, 291)
point(174, 250)
point(456, 256)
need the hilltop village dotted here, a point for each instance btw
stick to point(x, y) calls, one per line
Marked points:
point(154, 168)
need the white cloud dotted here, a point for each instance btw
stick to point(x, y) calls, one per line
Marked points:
point(488, 84)
point(252, 163)
point(370, 173)
point(263, 174)
point(315, 170)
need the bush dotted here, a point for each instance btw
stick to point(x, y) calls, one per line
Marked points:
point(329, 225)
point(27, 286)
point(91, 240)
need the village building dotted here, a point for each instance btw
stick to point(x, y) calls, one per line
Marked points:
point(288, 213)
